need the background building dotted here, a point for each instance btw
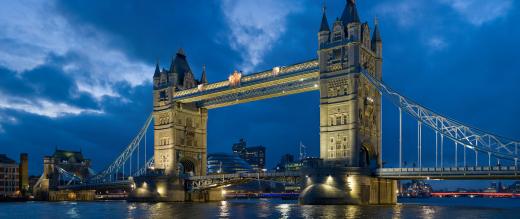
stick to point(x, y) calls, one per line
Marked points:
point(23, 174)
point(72, 162)
point(8, 177)
point(284, 160)
point(255, 156)
point(227, 163)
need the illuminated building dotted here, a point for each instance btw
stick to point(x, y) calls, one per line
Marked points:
point(255, 156)
point(227, 163)
point(8, 177)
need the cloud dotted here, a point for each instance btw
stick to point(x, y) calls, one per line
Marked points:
point(411, 12)
point(436, 43)
point(405, 12)
point(255, 26)
point(31, 31)
point(478, 12)
point(42, 107)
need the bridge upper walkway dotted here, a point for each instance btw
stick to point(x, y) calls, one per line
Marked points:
point(279, 81)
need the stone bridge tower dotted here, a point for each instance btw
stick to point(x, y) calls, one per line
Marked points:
point(350, 116)
point(350, 107)
point(179, 129)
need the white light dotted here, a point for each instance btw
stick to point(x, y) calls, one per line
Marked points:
point(224, 192)
point(315, 85)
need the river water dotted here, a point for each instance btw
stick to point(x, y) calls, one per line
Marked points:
point(267, 208)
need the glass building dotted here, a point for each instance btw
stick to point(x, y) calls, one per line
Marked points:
point(227, 163)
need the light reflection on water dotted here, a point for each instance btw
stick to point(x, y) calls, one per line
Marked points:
point(265, 208)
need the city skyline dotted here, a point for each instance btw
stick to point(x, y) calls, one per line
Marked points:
point(274, 123)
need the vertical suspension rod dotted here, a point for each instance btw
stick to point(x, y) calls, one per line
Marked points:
point(145, 157)
point(456, 161)
point(420, 144)
point(436, 150)
point(464, 155)
point(442, 150)
point(400, 137)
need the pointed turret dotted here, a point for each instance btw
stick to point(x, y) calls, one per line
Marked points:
point(157, 70)
point(354, 12)
point(376, 37)
point(179, 67)
point(203, 79)
point(350, 13)
point(324, 22)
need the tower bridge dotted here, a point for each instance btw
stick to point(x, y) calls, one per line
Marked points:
point(348, 75)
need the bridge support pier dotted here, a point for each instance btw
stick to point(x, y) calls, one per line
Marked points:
point(169, 189)
point(342, 185)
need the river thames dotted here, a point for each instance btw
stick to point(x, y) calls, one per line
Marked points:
point(267, 208)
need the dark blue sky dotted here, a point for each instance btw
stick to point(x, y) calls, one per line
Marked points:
point(76, 74)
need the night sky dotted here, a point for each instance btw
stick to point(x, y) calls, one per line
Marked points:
point(77, 74)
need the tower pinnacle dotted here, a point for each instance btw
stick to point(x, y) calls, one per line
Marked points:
point(324, 22)
point(203, 79)
point(157, 70)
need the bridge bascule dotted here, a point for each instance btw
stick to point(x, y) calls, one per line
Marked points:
point(348, 75)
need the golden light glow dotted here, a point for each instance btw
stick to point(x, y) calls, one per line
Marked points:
point(329, 180)
point(161, 190)
point(276, 71)
point(224, 192)
point(234, 79)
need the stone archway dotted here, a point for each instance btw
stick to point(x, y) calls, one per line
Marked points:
point(187, 167)
point(365, 155)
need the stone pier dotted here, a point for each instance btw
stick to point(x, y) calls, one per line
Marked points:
point(170, 189)
point(337, 185)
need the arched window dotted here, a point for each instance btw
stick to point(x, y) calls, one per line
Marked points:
point(344, 119)
point(338, 120)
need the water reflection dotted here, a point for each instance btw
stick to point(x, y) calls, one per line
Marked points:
point(353, 211)
point(427, 212)
point(254, 208)
point(396, 211)
point(264, 208)
point(284, 209)
point(223, 209)
point(73, 213)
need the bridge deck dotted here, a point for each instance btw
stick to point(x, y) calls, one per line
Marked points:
point(485, 172)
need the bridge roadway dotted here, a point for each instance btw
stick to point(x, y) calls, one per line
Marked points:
point(431, 173)
point(481, 172)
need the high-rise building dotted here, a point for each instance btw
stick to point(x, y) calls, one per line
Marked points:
point(255, 156)
point(8, 177)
